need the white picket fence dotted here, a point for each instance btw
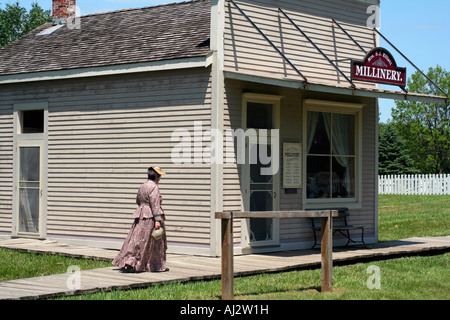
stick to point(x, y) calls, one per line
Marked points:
point(424, 184)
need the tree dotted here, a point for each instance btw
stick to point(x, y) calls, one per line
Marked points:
point(425, 127)
point(15, 21)
point(393, 157)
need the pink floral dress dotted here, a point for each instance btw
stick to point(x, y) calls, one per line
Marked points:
point(140, 251)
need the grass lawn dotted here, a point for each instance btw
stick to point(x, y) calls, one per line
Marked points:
point(408, 278)
point(401, 217)
point(411, 278)
point(17, 265)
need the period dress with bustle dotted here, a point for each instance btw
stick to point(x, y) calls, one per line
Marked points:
point(140, 251)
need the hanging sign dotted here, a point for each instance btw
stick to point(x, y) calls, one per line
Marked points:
point(378, 66)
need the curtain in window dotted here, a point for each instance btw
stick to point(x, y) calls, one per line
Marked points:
point(340, 134)
point(312, 119)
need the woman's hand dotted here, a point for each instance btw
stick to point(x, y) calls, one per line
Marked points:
point(157, 225)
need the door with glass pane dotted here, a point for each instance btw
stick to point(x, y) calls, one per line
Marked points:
point(261, 184)
point(28, 196)
point(261, 197)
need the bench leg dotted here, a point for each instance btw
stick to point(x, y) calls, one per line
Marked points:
point(348, 237)
point(315, 239)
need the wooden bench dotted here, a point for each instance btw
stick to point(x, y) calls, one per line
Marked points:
point(340, 225)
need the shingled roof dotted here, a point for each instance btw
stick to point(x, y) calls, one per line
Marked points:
point(173, 31)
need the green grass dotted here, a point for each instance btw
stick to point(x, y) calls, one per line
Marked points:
point(409, 278)
point(401, 217)
point(17, 265)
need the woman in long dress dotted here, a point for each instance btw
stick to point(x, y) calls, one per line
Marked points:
point(141, 252)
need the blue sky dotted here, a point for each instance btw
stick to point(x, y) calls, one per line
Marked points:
point(420, 29)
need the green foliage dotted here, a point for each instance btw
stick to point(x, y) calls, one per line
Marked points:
point(393, 157)
point(15, 21)
point(425, 127)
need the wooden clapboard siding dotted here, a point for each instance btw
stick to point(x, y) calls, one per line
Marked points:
point(246, 51)
point(368, 215)
point(291, 131)
point(6, 164)
point(108, 135)
point(232, 195)
point(299, 230)
point(103, 134)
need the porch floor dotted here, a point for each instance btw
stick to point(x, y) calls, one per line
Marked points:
point(184, 268)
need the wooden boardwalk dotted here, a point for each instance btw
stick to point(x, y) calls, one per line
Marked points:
point(184, 268)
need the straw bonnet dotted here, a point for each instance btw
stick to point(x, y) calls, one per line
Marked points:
point(158, 170)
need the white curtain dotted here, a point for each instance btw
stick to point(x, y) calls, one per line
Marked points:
point(340, 134)
point(312, 119)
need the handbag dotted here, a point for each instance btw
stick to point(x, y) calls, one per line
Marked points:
point(157, 233)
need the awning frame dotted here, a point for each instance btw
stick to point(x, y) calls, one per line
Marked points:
point(353, 86)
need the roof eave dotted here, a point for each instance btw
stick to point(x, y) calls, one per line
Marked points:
point(173, 64)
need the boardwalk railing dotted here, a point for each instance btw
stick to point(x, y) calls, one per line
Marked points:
point(420, 184)
point(227, 243)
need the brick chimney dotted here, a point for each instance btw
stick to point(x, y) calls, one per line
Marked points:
point(61, 12)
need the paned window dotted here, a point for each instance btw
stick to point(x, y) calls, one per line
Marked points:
point(331, 155)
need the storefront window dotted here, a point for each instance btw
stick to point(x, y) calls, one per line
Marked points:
point(331, 155)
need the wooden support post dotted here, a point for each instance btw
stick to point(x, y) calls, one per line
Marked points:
point(227, 243)
point(227, 259)
point(326, 253)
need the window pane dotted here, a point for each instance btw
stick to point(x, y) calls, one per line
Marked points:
point(343, 177)
point(29, 210)
point(29, 189)
point(343, 127)
point(318, 137)
point(256, 165)
point(259, 115)
point(32, 121)
point(260, 229)
point(318, 177)
point(29, 164)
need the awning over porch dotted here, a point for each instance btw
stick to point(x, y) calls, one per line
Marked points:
point(347, 85)
point(347, 90)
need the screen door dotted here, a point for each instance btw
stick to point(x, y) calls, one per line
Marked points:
point(261, 197)
point(260, 189)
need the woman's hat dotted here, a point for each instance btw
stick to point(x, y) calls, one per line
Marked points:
point(158, 170)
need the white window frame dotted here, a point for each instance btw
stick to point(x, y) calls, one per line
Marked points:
point(355, 109)
point(30, 140)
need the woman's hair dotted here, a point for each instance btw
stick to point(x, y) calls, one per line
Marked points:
point(152, 174)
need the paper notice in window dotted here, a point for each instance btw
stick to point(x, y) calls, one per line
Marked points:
point(292, 165)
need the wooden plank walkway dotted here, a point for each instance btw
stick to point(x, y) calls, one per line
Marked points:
point(184, 268)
